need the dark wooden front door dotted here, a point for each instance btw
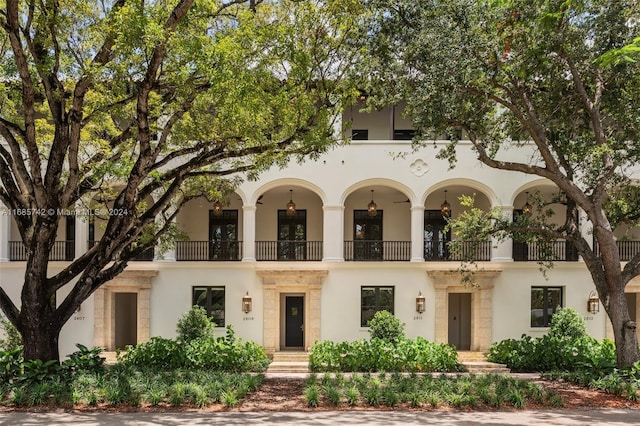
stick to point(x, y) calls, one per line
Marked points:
point(294, 322)
point(460, 320)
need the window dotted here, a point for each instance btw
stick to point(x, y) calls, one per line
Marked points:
point(223, 235)
point(212, 300)
point(367, 235)
point(374, 299)
point(545, 301)
point(292, 235)
point(360, 134)
point(403, 134)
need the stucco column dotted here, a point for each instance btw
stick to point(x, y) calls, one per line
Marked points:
point(586, 227)
point(5, 232)
point(82, 230)
point(270, 315)
point(417, 233)
point(167, 256)
point(502, 251)
point(249, 233)
point(333, 233)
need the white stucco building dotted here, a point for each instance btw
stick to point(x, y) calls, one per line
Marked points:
point(322, 271)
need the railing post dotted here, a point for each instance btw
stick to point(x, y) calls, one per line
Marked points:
point(333, 233)
point(5, 232)
point(502, 251)
point(417, 233)
point(249, 233)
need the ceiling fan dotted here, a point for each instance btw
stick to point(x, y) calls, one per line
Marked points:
point(260, 198)
point(403, 201)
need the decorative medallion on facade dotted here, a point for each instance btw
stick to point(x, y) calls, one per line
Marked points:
point(419, 167)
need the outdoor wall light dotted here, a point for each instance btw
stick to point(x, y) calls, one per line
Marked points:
point(420, 303)
point(593, 304)
point(246, 303)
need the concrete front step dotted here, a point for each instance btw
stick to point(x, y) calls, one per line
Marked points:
point(291, 357)
point(486, 367)
point(468, 356)
point(289, 362)
point(288, 367)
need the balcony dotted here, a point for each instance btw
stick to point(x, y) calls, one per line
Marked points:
point(208, 251)
point(374, 250)
point(555, 251)
point(289, 250)
point(439, 251)
point(61, 250)
point(146, 256)
point(626, 249)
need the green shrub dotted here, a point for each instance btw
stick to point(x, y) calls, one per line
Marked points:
point(566, 324)
point(195, 324)
point(84, 360)
point(385, 326)
point(566, 347)
point(216, 353)
point(12, 338)
point(381, 355)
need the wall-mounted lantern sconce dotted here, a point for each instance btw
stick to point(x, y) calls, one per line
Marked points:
point(217, 208)
point(372, 208)
point(593, 304)
point(445, 208)
point(420, 303)
point(246, 303)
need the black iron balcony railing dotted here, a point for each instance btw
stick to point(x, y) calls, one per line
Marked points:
point(146, 256)
point(626, 249)
point(208, 250)
point(557, 251)
point(374, 250)
point(61, 250)
point(468, 250)
point(289, 250)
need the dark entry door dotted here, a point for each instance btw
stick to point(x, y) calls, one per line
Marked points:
point(126, 313)
point(367, 235)
point(460, 320)
point(294, 322)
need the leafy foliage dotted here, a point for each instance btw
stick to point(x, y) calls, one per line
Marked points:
point(195, 324)
point(225, 353)
point(566, 347)
point(12, 339)
point(384, 325)
point(557, 83)
point(139, 107)
point(382, 355)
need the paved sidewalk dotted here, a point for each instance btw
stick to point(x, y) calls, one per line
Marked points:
point(543, 417)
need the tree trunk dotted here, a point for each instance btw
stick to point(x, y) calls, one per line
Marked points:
point(624, 330)
point(40, 340)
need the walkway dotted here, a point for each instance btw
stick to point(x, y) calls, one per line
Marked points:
point(581, 417)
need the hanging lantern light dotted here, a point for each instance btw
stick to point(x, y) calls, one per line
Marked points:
point(372, 208)
point(445, 208)
point(291, 206)
point(217, 208)
point(527, 208)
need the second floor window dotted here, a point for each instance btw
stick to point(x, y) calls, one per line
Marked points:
point(223, 235)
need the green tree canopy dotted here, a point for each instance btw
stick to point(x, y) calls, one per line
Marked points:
point(140, 106)
point(554, 82)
